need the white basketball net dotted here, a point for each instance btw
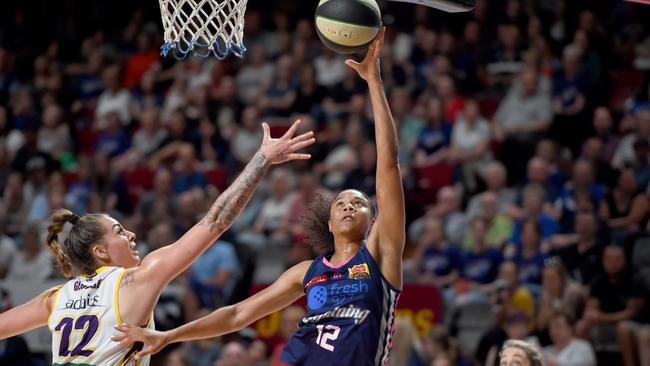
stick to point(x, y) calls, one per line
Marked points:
point(203, 27)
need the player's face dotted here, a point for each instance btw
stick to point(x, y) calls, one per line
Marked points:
point(350, 212)
point(513, 357)
point(120, 244)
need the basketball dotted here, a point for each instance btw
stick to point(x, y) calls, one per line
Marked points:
point(347, 26)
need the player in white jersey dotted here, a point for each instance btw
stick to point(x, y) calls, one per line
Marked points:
point(111, 285)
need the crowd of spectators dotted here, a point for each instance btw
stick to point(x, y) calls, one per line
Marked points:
point(524, 146)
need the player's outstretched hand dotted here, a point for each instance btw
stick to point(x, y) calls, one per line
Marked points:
point(284, 149)
point(153, 340)
point(368, 69)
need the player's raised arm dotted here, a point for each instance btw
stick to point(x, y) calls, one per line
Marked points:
point(162, 265)
point(284, 291)
point(386, 240)
point(28, 316)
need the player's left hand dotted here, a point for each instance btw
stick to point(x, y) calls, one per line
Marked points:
point(368, 69)
point(153, 340)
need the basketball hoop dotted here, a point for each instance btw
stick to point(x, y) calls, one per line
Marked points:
point(203, 28)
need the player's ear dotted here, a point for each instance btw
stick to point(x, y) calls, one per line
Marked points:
point(99, 251)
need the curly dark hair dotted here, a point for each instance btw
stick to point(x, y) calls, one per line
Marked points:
point(319, 236)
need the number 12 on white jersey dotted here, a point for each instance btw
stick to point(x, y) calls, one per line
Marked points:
point(327, 333)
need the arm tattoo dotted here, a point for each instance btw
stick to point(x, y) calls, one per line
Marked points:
point(232, 201)
point(128, 279)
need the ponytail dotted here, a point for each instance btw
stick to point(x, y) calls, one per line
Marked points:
point(59, 219)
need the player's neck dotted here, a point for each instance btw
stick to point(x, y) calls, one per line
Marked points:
point(344, 250)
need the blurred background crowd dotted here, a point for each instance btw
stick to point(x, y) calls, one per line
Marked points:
point(524, 146)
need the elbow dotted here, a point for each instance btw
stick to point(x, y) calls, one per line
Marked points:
point(238, 318)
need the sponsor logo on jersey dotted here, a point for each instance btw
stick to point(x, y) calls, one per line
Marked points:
point(315, 280)
point(347, 312)
point(352, 288)
point(359, 271)
point(83, 302)
point(317, 297)
point(78, 285)
point(337, 276)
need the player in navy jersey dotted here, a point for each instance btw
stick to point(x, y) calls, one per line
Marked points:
point(352, 289)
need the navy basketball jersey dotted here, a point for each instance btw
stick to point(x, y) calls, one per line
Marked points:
point(350, 315)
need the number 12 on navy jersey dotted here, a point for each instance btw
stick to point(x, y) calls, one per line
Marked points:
point(327, 333)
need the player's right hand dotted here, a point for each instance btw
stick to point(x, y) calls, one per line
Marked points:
point(153, 340)
point(283, 149)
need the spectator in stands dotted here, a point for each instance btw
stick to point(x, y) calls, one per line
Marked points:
point(538, 173)
point(581, 186)
point(521, 117)
point(624, 209)
point(187, 170)
point(269, 225)
point(113, 139)
point(510, 297)
point(149, 135)
point(581, 254)
point(8, 250)
point(246, 139)
point(54, 134)
point(533, 202)
point(515, 352)
point(570, 126)
point(479, 266)
point(233, 354)
point(407, 347)
point(33, 262)
point(289, 320)
point(433, 138)
point(593, 150)
point(559, 292)
point(253, 75)
point(211, 147)
point(437, 343)
point(515, 331)
point(603, 126)
point(449, 211)
point(470, 144)
point(624, 154)
point(309, 94)
point(159, 203)
point(567, 350)
point(495, 177)
point(213, 277)
point(436, 261)
point(634, 336)
point(362, 178)
point(499, 226)
point(139, 62)
point(343, 158)
point(530, 256)
point(281, 94)
point(147, 96)
point(641, 164)
point(614, 296)
point(114, 99)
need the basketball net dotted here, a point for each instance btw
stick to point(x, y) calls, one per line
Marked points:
point(203, 27)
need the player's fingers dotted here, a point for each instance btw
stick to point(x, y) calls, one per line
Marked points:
point(292, 130)
point(302, 137)
point(299, 156)
point(353, 64)
point(302, 144)
point(267, 131)
point(119, 337)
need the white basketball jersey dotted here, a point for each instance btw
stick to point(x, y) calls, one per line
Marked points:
point(83, 314)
